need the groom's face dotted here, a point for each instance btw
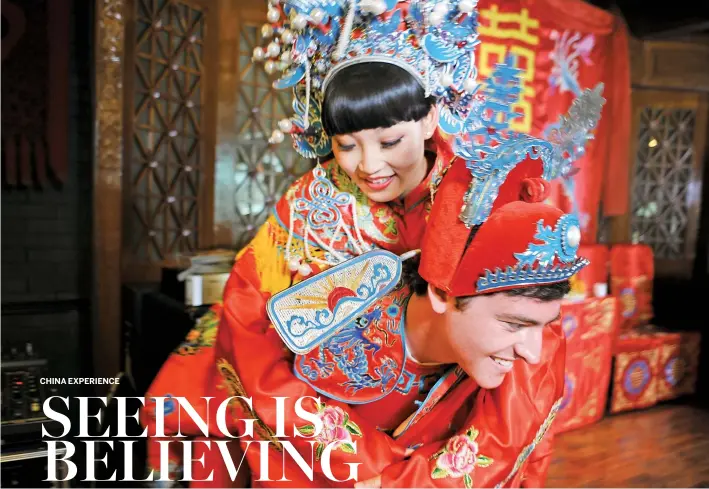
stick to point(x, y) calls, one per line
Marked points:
point(491, 332)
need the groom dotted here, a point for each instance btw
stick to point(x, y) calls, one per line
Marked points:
point(460, 366)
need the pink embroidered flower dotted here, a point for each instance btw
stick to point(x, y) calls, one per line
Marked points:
point(334, 434)
point(460, 457)
point(332, 416)
point(337, 428)
point(334, 430)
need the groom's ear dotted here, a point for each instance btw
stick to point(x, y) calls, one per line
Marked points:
point(438, 299)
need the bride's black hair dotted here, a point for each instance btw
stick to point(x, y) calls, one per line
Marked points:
point(370, 96)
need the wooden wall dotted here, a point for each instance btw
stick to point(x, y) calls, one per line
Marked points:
point(670, 86)
point(669, 79)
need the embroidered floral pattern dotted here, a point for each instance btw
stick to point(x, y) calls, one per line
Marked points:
point(459, 458)
point(234, 387)
point(201, 336)
point(337, 428)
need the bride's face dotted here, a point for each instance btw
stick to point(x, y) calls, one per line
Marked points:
point(386, 163)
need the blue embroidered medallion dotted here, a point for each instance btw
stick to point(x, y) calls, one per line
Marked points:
point(309, 313)
point(364, 361)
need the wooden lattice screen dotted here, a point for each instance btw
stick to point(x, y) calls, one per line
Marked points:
point(251, 174)
point(666, 194)
point(663, 177)
point(168, 166)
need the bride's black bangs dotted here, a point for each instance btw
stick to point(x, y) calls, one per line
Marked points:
point(370, 96)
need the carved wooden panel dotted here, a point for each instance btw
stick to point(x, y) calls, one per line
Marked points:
point(666, 64)
point(670, 131)
point(170, 141)
point(108, 85)
point(663, 177)
point(251, 174)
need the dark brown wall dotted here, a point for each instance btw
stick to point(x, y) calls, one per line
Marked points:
point(46, 253)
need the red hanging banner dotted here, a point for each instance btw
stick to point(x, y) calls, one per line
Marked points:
point(564, 47)
point(35, 91)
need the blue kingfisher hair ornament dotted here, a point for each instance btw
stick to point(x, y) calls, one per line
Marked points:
point(310, 41)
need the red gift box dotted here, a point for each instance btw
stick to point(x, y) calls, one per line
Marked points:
point(670, 365)
point(632, 272)
point(688, 370)
point(590, 327)
point(635, 372)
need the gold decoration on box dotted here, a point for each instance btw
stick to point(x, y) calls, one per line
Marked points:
point(599, 317)
point(671, 371)
point(589, 410)
point(591, 360)
point(620, 401)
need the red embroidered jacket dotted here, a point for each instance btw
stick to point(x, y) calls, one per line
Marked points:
point(462, 435)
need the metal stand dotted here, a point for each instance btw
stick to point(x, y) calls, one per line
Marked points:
point(39, 453)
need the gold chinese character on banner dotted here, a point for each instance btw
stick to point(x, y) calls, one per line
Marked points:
point(514, 26)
